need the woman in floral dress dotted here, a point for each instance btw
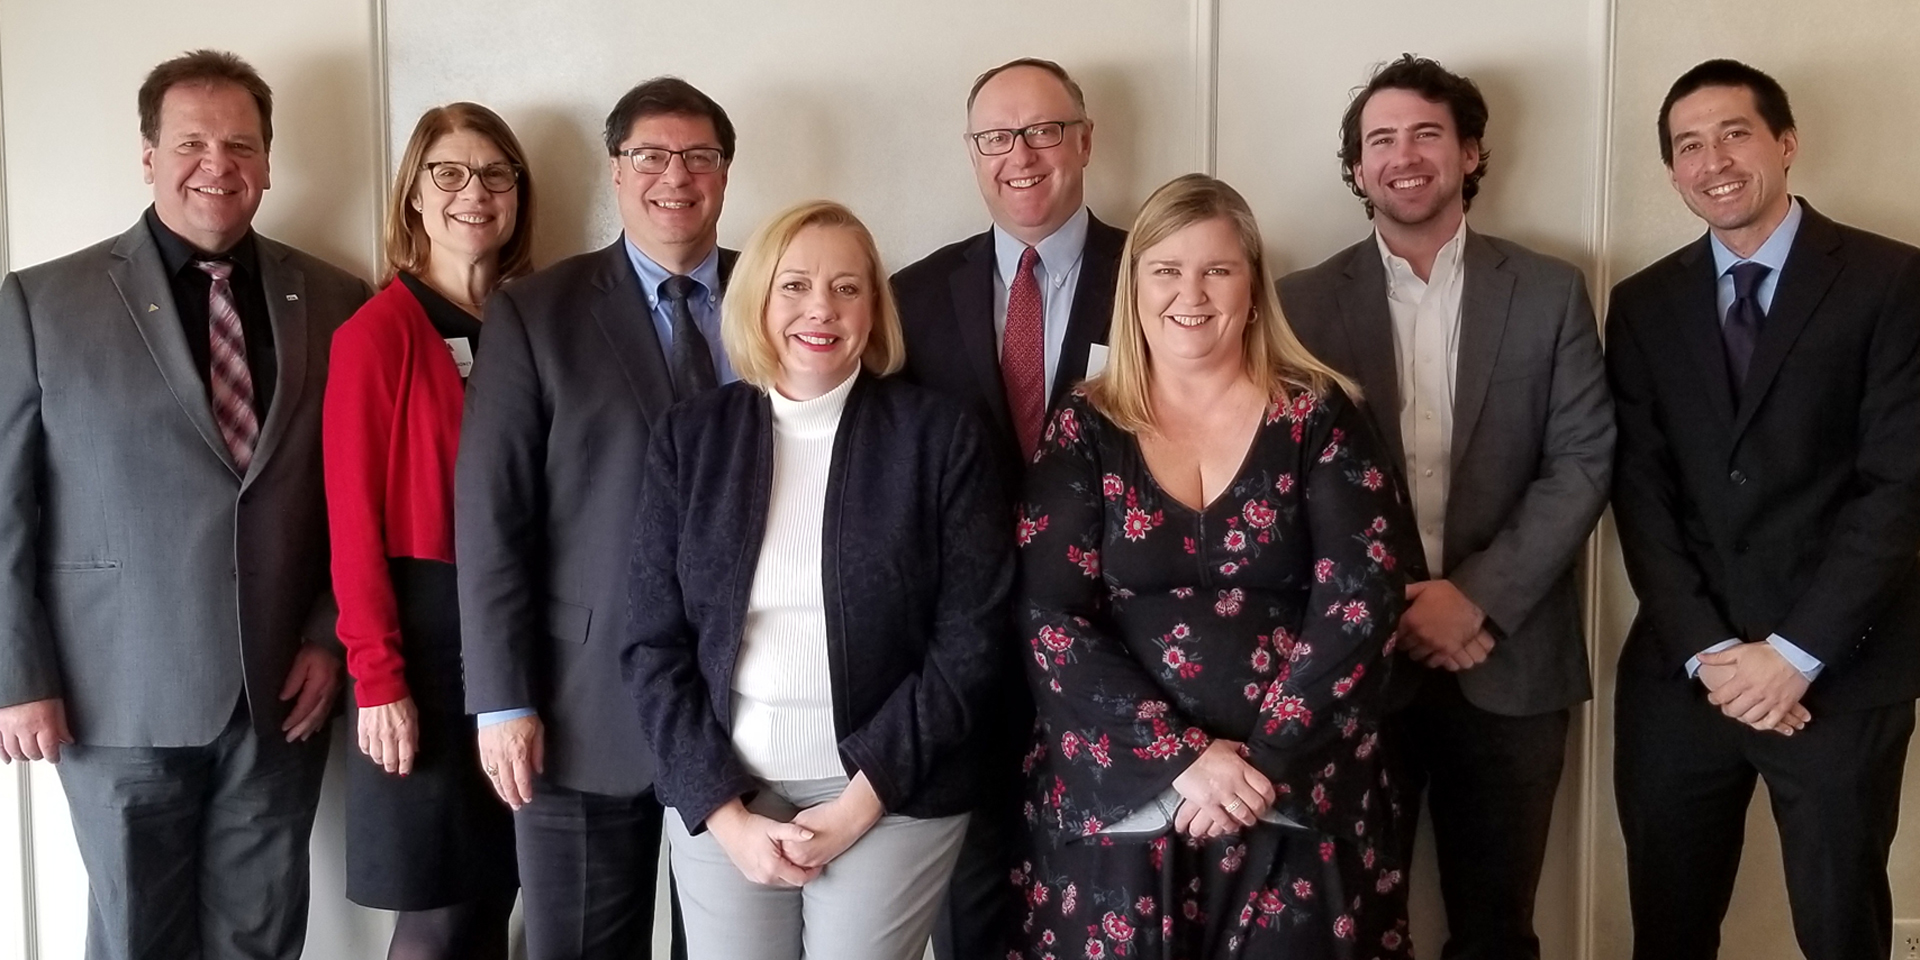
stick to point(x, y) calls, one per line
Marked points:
point(1211, 563)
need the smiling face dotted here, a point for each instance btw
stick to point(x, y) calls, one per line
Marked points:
point(1029, 192)
point(820, 310)
point(1728, 166)
point(208, 166)
point(673, 217)
point(1412, 161)
point(471, 223)
point(1194, 294)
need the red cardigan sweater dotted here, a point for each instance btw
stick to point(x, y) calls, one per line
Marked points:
point(391, 428)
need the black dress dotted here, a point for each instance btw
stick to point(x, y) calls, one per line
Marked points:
point(438, 836)
point(1264, 618)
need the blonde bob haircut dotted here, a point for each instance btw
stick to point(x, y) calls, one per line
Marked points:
point(1273, 355)
point(743, 328)
point(405, 237)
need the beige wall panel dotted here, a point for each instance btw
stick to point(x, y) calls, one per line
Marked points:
point(857, 101)
point(69, 71)
point(1286, 72)
point(1849, 68)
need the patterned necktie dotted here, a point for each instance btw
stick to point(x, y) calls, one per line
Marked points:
point(229, 380)
point(1023, 355)
point(1744, 317)
point(692, 359)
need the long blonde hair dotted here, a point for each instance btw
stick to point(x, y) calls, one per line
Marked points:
point(1273, 355)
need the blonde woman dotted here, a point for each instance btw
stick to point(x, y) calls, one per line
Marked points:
point(425, 835)
point(822, 562)
point(1211, 569)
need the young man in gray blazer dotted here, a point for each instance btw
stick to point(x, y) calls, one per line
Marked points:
point(165, 628)
point(575, 364)
point(1481, 368)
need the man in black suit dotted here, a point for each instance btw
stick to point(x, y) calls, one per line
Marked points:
point(1007, 321)
point(1481, 363)
point(1767, 488)
point(576, 363)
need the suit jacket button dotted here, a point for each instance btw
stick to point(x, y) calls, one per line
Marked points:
point(1737, 477)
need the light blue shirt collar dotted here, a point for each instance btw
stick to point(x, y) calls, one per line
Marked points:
point(1773, 254)
point(652, 275)
point(1060, 252)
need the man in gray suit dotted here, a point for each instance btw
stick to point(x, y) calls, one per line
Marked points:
point(1481, 366)
point(163, 537)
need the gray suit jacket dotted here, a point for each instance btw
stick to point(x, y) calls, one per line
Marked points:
point(142, 577)
point(1532, 446)
point(568, 381)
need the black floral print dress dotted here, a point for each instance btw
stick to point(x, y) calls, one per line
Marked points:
point(1266, 619)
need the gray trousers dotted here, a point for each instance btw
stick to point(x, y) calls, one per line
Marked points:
point(877, 901)
point(196, 853)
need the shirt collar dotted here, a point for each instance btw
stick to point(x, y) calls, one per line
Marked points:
point(176, 253)
point(652, 275)
point(1058, 252)
point(1773, 253)
point(1400, 271)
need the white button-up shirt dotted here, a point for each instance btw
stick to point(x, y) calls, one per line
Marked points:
point(1426, 339)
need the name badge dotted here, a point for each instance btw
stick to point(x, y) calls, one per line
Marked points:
point(462, 351)
point(1096, 358)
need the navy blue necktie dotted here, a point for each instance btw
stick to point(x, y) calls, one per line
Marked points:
point(691, 359)
point(1744, 318)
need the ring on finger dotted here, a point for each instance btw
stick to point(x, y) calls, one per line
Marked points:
point(491, 769)
point(1233, 807)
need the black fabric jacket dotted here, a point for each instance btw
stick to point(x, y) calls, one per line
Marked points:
point(917, 562)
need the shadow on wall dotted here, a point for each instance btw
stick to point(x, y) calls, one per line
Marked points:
point(325, 169)
point(1116, 112)
point(571, 167)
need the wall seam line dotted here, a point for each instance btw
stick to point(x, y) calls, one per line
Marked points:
point(1206, 67)
point(383, 136)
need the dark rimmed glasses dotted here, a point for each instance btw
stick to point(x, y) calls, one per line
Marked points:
point(453, 176)
point(654, 160)
point(1039, 136)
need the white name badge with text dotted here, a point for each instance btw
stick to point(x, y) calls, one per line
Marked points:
point(462, 350)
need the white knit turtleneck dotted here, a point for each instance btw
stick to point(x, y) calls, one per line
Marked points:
point(782, 690)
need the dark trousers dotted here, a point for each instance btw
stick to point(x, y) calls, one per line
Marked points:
point(588, 872)
point(196, 851)
point(1684, 776)
point(1489, 782)
point(979, 911)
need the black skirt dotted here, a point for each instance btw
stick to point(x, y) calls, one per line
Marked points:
point(438, 836)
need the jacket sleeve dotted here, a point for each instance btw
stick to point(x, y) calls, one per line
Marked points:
point(934, 710)
point(1544, 532)
point(499, 507)
point(29, 664)
point(696, 770)
point(1873, 538)
point(1648, 504)
point(363, 383)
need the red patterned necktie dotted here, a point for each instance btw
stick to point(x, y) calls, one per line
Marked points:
point(1023, 355)
point(229, 379)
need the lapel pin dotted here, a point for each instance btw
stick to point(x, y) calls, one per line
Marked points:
point(292, 297)
point(153, 307)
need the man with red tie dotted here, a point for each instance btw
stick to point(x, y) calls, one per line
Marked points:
point(1007, 321)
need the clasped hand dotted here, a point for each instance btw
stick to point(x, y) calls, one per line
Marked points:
point(1754, 684)
point(1443, 629)
point(770, 852)
point(1220, 793)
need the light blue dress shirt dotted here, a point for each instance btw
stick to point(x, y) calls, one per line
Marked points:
point(705, 307)
point(1057, 273)
point(1773, 254)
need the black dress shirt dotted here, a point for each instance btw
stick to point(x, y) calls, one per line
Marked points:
point(191, 286)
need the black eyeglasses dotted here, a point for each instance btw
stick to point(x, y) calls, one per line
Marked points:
point(1040, 136)
point(655, 159)
point(453, 176)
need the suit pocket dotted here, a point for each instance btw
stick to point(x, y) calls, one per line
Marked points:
point(568, 621)
point(75, 566)
point(82, 600)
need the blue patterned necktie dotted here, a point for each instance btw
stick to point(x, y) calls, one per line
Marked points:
point(691, 359)
point(1744, 318)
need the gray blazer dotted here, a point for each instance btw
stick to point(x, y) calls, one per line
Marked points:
point(135, 560)
point(568, 382)
point(1532, 445)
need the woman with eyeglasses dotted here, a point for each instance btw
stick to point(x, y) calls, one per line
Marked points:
point(425, 835)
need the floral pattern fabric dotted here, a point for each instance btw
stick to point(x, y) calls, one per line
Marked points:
point(1265, 618)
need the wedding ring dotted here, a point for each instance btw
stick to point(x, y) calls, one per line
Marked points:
point(491, 769)
point(1231, 807)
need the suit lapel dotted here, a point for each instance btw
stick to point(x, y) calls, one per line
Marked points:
point(1092, 310)
point(972, 289)
point(1697, 318)
point(286, 293)
point(1484, 306)
point(142, 282)
point(620, 308)
point(1809, 272)
point(1368, 326)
